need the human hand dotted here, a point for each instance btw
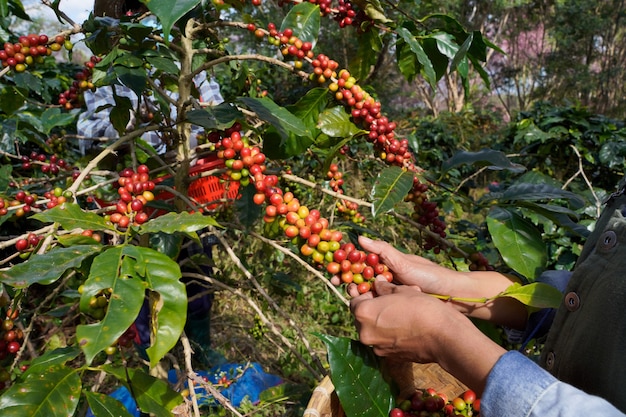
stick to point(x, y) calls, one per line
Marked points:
point(411, 270)
point(403, 322)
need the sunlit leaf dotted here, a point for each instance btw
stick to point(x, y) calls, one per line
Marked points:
point(51, 393)
point(537, 295)
point(48, 267)
point(355, 373)
point(420, 54)
point(391, 186)
point(70, 216)
point(153, 395)
point(518, 241)
point(102, 405)
point(169, 12)
point(304, 20)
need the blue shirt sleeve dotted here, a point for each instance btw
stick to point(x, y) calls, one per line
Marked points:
point(518, 387)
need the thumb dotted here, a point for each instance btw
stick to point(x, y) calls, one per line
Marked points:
point(382, 287)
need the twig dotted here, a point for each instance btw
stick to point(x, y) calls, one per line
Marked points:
point(303, 263)
point(581, 172)
point(265, 295)
point(296, 179)
point(188, 366)
point(273, 328)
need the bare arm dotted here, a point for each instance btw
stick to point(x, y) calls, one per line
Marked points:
point(432, 278)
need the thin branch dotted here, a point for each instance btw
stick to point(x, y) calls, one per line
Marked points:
point(273, 328)
point(581, 172)
point(265, 295)
point(314, 271)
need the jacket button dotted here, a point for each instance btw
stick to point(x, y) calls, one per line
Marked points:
point(550, 361)
point(572, 301)
point(607, 241)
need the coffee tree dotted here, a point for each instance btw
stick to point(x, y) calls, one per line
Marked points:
point(105, 232)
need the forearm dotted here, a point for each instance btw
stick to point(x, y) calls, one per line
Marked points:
point(459, 358)
point(472, 294)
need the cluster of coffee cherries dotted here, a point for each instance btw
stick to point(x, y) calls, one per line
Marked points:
point(98, 303)
point(344, 13)
point(243, 162)
point(426, 213)
point(430, 403)
point(290, 45)
point(350, 265)
point(11, 337)
point(29, 50)
point(135, 191)
point(124, 341)
point(48, 165)
point(71, 97)
point(27, 243)
point(347, 209)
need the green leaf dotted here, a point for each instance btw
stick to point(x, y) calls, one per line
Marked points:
point(52, 358)
point(115, 271)
point(284, 121)
point(537, 295)
point(355, 373)
point(304, 20)
point(168, 308)
point(219, 117)
point(53, 393)
point(178, 222)
point(70, 216)
point(53, 117)
point(336, 122)
point(391, 186)
point(169, 12)
point(102, 405)
point(538, 192)
point(120, 113)
point(247, 211)
point(423, 59)
point(48, 267)
point(309, 107)
point(495, 160)
point(153, 395)
point(518, 241)
point(461, 53)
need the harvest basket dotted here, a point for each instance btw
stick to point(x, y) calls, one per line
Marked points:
point(204, 189)
point(408, 377)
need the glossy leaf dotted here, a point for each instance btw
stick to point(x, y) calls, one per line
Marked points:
point(51, 358)
point(48, 267)
point(304, 20)
point(51, 393)
point(309, 107)
point(247, 211)
point(537, 295)
point(539, 192)
point(169, 12)
point(355, 373)
point(115, 271)
point(178, 222)
point(169, 298)
point(391, 186)
point(460, 55)
point(219, 117)
point(422, 58)
point(152, 395)
point(518, 241)
point(495, 160)
point(102, 405)
point(285, 122)
point(336, 122)
point(70, 216)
